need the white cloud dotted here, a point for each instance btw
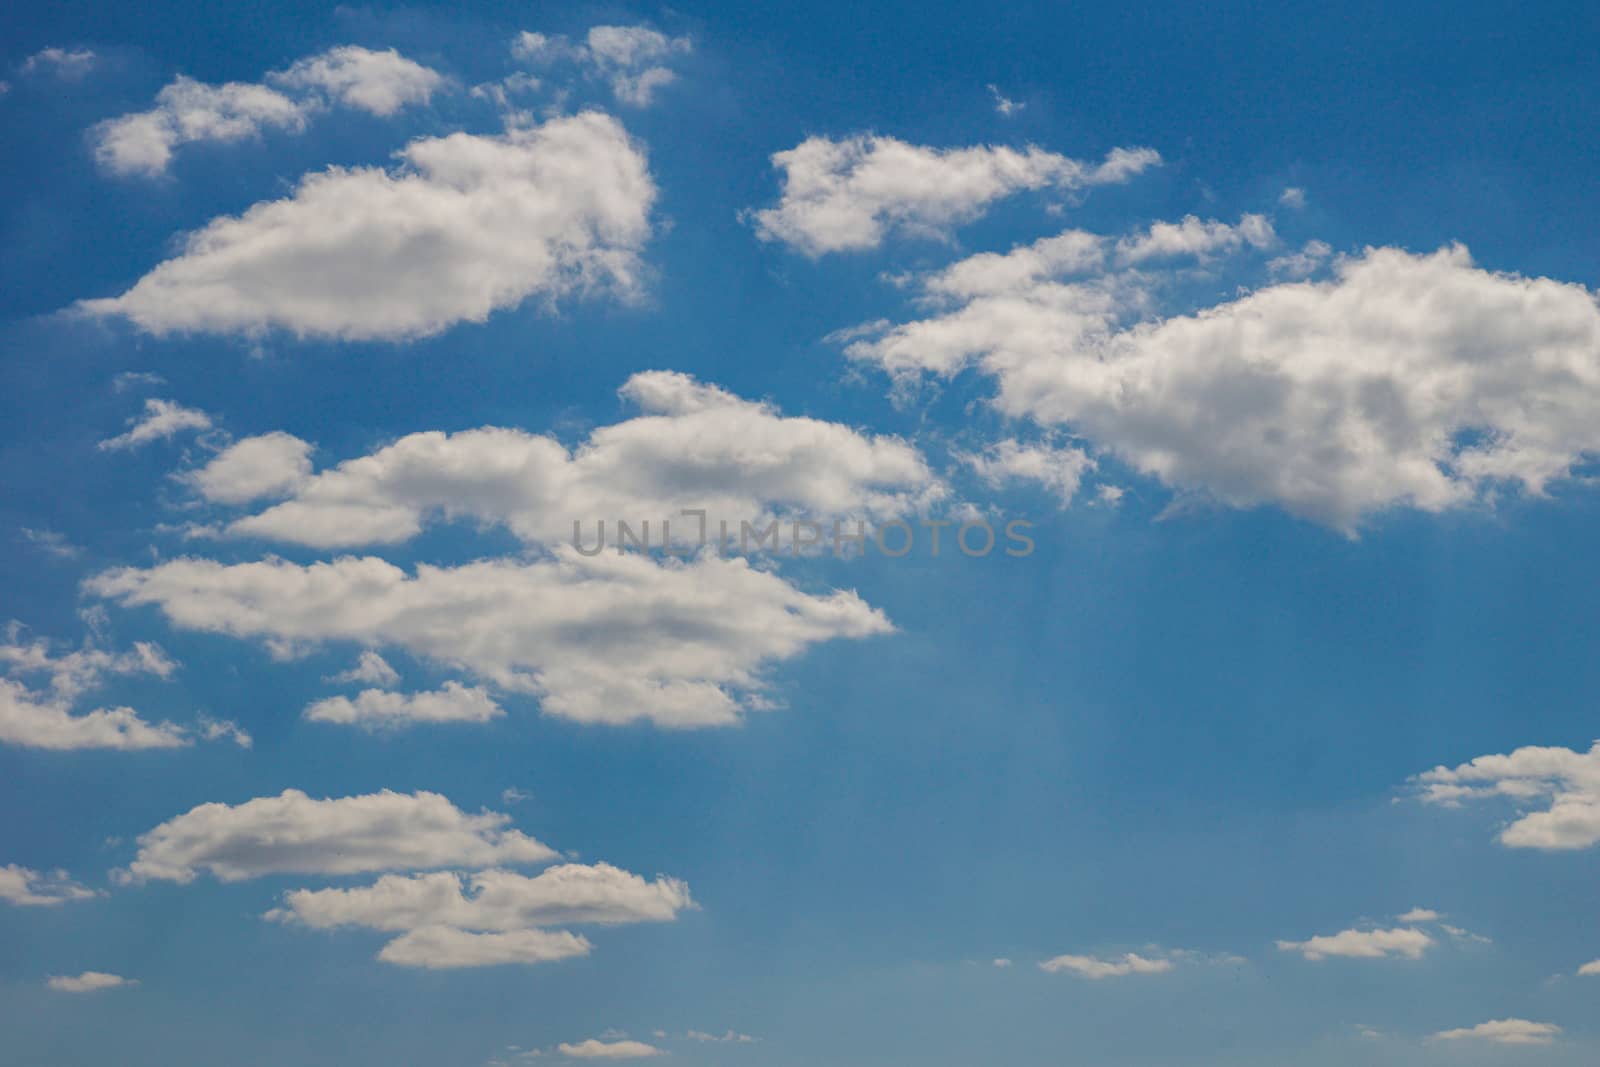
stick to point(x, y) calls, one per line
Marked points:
point(614, 638)
point(88, 982)
point(46, 720)
point(1058, 469)
point(1003, 105)
point(1195, 237)
point(630, 59)
point(594, 1049)
point(1093, 967)
point(161, 420)
point(730, 1037)
point(51, 542)
point(271, 465)
point(224, 730)
point(293, 833)
point(1293, 197)
point(1566, 782)
point(1363, 944)
point(694, 447)
point(68, 63)
point(847, 195)
point(493, 900)
point(441, 947)
point(377, 82)
point(1002, 962)
point(465, 226)
point(1302, 264)
point(1505, 1032)
point(1406, 380)
point(188, 111)
point(375, 709)
point(1589, 970)
point(39, 889)
point(1419, 915)
point(370, 668)
point(491, 917)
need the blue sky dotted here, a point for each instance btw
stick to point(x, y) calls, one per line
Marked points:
point(321, 745)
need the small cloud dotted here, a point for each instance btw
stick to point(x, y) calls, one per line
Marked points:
point(1293, 196)
point(69, 64)
point(513, 795)
point(1093, 967)
point(1362, 944)
point(222, 729)
point(1419, 915)
point(1504, 1032)
point(732, 1037)
point(1590, 970)
point(594, 1049)
point(1003, 105)
point(50, 542)
point(136, 379)
point(161, 419)
point(88, 982)
point(1002, 962)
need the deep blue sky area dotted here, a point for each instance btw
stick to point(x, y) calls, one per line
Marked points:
point(1185, 728)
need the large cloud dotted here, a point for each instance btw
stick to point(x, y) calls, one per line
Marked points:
point(1564, 782)
point(465, 226)
point(612, 638)
point(846, 195)
point(294, 833)
point(695, 447)
point(1404, 380)
point(187, 111)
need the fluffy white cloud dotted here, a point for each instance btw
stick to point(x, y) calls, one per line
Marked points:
point(1406, 380)
point(46, 719)
point(1195, 237)
point(1566, 781)
point(1363, 944)
point(1419, 915)
point(293, 833)
point(376, 709)
point(273, 464)
point(39, 889)
point(465, 226)
point(161, 419)
point(613, 638)
point(494, 900)
point(187, 111)
point(88, 982)
point(630, 59)
point(491, 917)
point(595, 1049)
point(1058, 469)
point(694, 447)
point(847, 195)
point(1505, 1032)
point(1096, 968)
point(1589, 970)
point(441, 947)
point(377, 82)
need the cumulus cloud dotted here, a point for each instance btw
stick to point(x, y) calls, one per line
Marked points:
point(1564, 781)
point(1363, 944)
point(376, 709)
point(39, 889)
point(1095, 968)
point(370, 668)
point(46, 719)
point(694, 447)
point(613, 638)
point(1407, 380)
point(1419, 915)
point(88, 982)
point(466, 225)
point(187, 111)
point(269, 465)
point(1195, 237)
point(630, 59)
point(847, 195)
point(1589, 970)
point(1504, 1032)
point(595, 1049)
point(491, 917)
point(161, 420)
point(293, 833)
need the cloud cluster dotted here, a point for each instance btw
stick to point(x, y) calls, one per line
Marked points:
point(47, 719)
point(1404, 380)
point(630, 59)
point(188, 111)
point(466, 225)
point(613, 638)
point(693, 447)
point(847, 195)
point(1564, 781)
